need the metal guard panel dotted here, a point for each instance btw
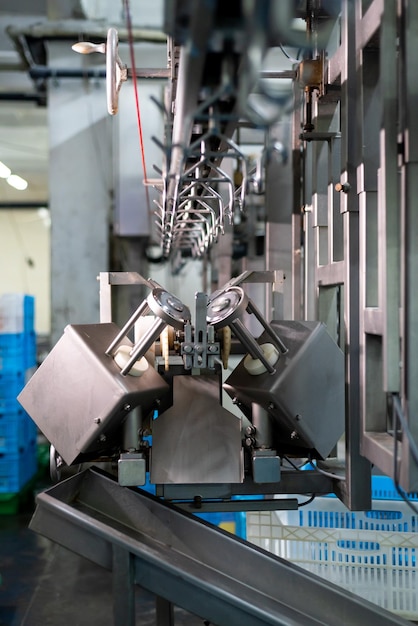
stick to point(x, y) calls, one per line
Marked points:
point(305, 395)
point(196, 440)
point(78, 397)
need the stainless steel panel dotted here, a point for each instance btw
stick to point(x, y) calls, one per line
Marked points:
point(196, 440)
point(78, 397)
point(305, 395)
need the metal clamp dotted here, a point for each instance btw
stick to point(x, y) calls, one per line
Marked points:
point(226, 307)
point(168, 309)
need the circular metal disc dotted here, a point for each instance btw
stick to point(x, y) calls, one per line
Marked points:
point(169, 308)
point(226, 306)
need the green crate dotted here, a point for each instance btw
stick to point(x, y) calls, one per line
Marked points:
point(9, 503)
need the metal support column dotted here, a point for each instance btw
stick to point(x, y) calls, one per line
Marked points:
point(123, 586)
point(409, 467)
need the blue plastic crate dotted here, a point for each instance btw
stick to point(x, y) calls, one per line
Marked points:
point(12, 435)
point(17, 313)
point(30, 349)
point(11, 384)
point(16, 469)
point(8, 406)
point(29, 313)
point(12, 353)
point(17, 351)
point(11, 363)
point(17, 432)
point(12, 342)
point(383, 488)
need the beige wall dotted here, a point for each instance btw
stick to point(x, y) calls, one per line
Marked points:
point(25, 259)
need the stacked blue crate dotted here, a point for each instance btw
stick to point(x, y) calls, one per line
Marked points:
point(18, 447)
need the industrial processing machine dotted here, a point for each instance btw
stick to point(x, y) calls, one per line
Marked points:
point(231, 397)
point(99, 397)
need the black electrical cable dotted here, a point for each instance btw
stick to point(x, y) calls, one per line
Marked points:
point(313, 496)
point(324, 472)
point(311, 499)
point(286, 54)
point(292, 464)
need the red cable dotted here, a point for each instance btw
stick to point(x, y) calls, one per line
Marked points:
point(138, 112)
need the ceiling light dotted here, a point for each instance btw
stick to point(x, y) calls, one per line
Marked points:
point(17, 182)
point(4, 170)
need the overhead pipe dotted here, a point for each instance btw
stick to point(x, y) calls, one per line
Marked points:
point(71, 30)
point(5, 206)
point(22, 96)
point(42, 72)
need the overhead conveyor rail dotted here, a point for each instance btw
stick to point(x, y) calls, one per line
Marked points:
point(187, 562)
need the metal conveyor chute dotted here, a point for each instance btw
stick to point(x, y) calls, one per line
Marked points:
point(189, 562)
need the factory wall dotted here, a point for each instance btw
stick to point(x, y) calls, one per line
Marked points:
point(25, 267)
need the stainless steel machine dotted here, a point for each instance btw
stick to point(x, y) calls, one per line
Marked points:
point(98, 396)
point(330, 387)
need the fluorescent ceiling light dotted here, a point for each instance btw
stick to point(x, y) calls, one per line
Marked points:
point(17, 182)
point(4, 170)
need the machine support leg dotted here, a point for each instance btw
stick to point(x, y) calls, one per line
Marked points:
point(164, 611)
point(123, 587)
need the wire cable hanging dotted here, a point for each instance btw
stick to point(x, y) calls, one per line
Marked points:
point(137, 107)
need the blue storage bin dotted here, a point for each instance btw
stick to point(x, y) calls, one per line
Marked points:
point(12, 342)
point(17, 313)
point(12, 353)
point(383, 488)
point(17, 352)
point(11, 384)
point(28, 313)
point(30, 349)
point(12, 434)
point(17, 469)
point(17, 432)
point(9, 406)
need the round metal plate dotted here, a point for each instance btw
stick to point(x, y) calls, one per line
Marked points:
point(169, 308)
point(226, 307)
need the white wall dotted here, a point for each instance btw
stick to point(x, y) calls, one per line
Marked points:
point(25, 259)
point(185, 284)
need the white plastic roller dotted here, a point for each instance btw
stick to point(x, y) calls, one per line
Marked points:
point(255, 367)
point(122, 356)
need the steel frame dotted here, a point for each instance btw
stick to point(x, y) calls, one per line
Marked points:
point(360, 253)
